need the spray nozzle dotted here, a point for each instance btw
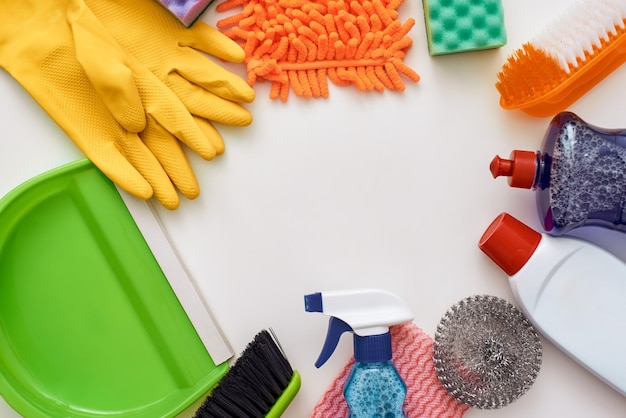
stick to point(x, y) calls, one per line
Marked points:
point(368, 313)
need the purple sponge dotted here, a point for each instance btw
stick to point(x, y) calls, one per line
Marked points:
point(187, 11)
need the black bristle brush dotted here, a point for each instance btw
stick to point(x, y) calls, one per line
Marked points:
point(261, 383)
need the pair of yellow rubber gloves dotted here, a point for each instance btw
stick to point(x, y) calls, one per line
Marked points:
point(129, 84)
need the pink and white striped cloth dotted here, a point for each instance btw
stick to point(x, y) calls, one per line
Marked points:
point(413, 356)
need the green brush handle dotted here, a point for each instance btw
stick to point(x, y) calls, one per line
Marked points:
point(285, 399)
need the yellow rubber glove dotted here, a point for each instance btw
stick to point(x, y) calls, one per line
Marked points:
point(103, 98)
point(175, 54)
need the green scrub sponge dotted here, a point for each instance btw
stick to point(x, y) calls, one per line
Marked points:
point(454, 26)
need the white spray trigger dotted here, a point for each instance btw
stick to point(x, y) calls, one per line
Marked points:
point(365, 312)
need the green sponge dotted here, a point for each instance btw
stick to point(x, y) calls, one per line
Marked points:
point(454, 26)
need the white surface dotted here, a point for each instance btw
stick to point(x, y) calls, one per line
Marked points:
point(573, 291)
point(384, 190)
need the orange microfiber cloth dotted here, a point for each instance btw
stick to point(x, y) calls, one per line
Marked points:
point(412, 352)
point(302, 43)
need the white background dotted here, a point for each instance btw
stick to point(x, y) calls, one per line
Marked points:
point(386, 190)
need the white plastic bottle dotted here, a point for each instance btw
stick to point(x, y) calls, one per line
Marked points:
point(574, 293)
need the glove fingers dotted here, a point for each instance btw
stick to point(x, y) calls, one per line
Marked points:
point(119, 170)
point(204, 104)
point(103, 62)
point(170, 154)
point(211, 41)
point(212, 134)
point(166, 109)
point(147, 164)
point(213, 77)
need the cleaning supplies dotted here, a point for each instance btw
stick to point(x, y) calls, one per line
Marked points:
point(412, 351)
point(102, 97)
point(563, 62)
point(374, 387)
point(579, 175)
point(487, 354)
point(463, 25)
point(261, 383)
point(300, 45)
point(571, 290)
point(187, 11)
point(89, 324)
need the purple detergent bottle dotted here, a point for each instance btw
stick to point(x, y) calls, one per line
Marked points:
point(579, 175)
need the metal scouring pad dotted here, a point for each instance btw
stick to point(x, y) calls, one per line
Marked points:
point(486, 352)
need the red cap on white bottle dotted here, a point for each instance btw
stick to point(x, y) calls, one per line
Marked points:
point(509, 243)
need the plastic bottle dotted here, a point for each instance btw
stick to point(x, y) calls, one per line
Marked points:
point(374, 387)
point(571, 290)
point(579, 175)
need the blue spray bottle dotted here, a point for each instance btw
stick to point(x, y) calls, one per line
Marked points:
point(374, 387)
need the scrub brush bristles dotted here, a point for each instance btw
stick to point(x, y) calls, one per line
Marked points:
point(260, 384)
point(566, 59)
point(486, 353)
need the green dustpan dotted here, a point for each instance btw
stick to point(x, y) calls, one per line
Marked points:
point(89, 325)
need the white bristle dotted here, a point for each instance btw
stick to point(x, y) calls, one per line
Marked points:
point(579, 29)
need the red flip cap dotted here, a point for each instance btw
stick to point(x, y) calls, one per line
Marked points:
point(509, 243)
point(520, 168)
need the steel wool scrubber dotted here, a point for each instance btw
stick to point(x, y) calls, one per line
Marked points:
point(486, 352)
